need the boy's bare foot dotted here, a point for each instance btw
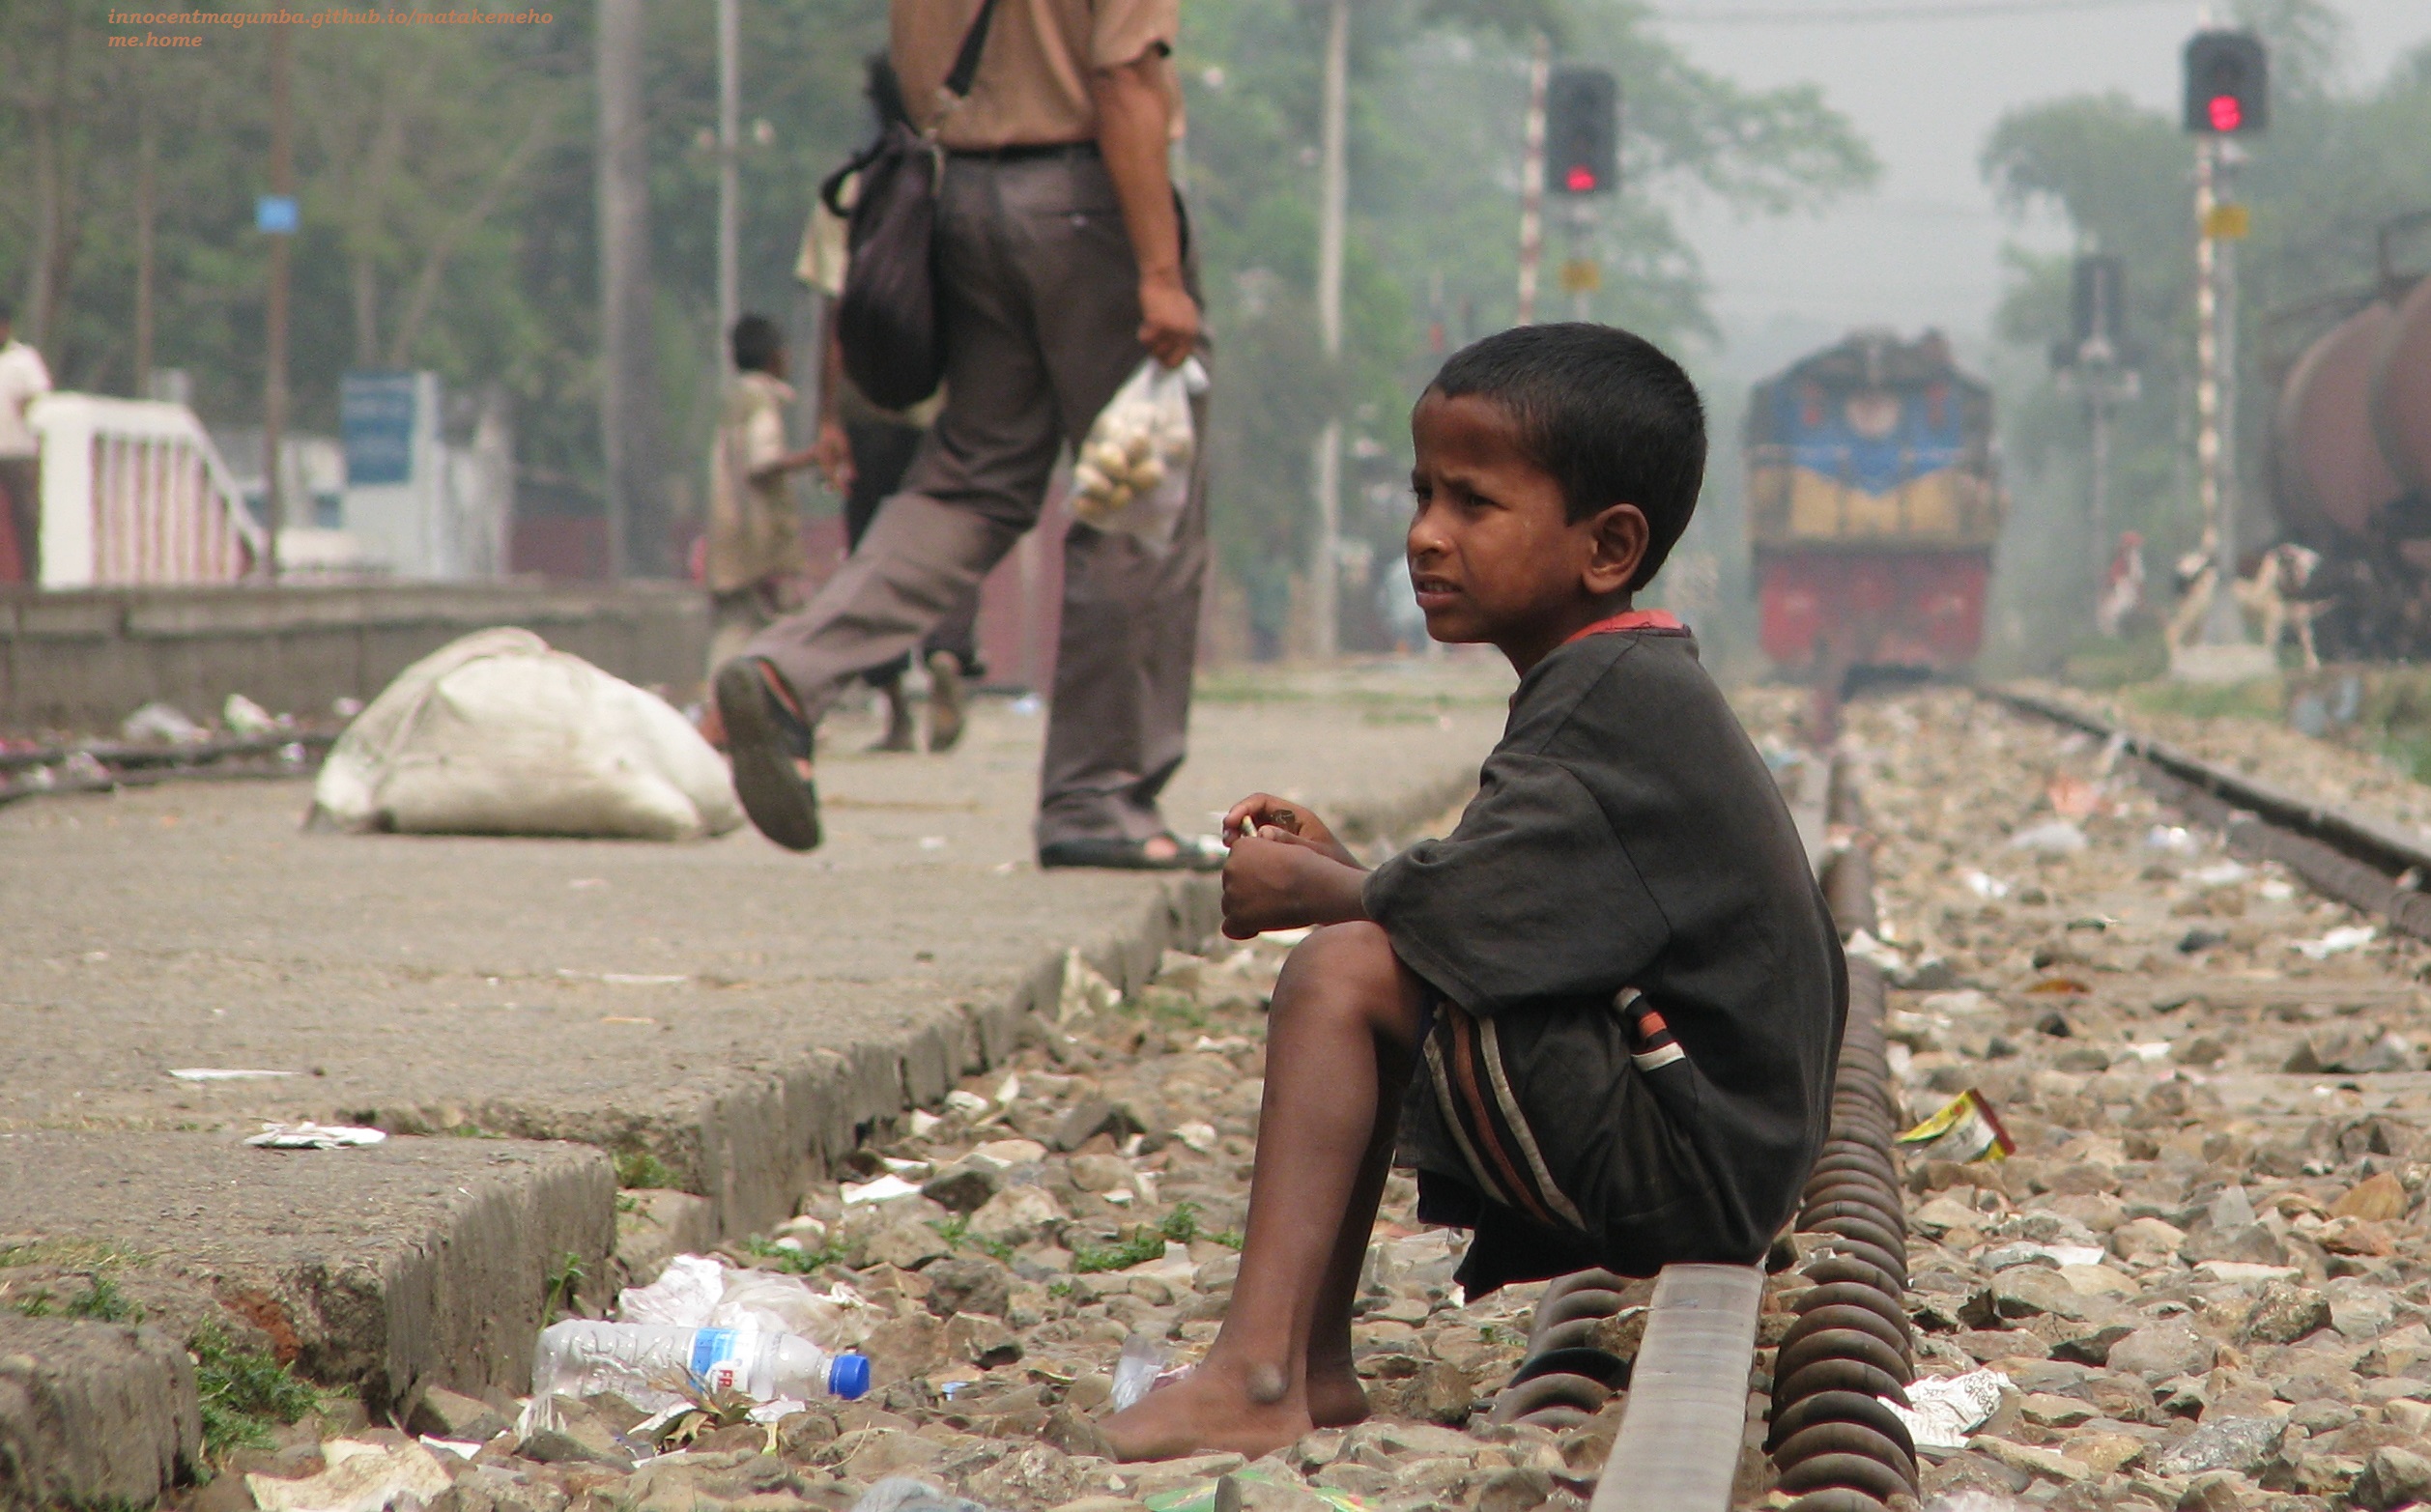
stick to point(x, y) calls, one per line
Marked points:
point(1335, 1398)
point(1251, 1410)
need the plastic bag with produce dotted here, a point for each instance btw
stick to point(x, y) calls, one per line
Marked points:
point(1134, 471)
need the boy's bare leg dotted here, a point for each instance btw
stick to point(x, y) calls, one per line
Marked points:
point(1339, 1040)
point(1335, 1398)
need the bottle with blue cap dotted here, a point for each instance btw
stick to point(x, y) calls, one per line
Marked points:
point(646, 1363)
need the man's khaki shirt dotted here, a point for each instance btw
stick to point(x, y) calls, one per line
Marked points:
point(1033, 83)
point(754, 534)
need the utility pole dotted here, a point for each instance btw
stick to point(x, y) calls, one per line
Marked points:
point(1325, 572)
point(730, 186)
point(147, 216)
point(2093, 361)
point(1532, 248)
point(628, 421)
point(281, 226)
point(2227, 95)
point(2216, 391)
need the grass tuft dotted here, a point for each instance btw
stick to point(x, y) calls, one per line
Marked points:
point(242, 1393)
point(642, 1169)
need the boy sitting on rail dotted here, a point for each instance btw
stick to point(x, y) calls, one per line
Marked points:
point(1601, 1015)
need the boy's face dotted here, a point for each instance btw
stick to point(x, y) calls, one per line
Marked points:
point(1494, 555)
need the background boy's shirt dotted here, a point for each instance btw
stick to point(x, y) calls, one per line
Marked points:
point(1625, 835)
point(753, 531)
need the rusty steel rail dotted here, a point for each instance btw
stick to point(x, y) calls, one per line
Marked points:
point(2358, 860)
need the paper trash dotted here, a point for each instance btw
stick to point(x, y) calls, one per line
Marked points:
point(1966, 1129)
point(1946, 1411)
point(309, 1135)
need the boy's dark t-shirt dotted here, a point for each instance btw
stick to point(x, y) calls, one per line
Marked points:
point(1627, 867)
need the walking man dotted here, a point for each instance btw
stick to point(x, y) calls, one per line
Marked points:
point(1062, 262)
point(23, 379)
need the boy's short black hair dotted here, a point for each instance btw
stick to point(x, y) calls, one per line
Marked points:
point(757, 341)
point(1611, 418)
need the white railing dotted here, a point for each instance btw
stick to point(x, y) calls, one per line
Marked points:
point(134, 492)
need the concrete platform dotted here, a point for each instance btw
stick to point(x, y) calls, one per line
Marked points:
point(742, 1014)
point(93, 1413)
point(380, 1269)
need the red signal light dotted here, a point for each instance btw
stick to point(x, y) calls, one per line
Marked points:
point(1579, 179)
point(2227, 114)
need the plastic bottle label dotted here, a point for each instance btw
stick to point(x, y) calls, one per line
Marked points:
point(716, 1363)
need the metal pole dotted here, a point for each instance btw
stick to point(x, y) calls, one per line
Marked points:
point(730, 187)
point(2225, 624)
point(147, 216)
point(274, 381)
point(2207, 381)
point(2097, 498)
point(623, 267)
point(1531, 249)
point(1332, 207)
point(1582, 232)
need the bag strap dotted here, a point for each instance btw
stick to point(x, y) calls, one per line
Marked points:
point(959, 78)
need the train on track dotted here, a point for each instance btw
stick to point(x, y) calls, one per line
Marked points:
point(2350, 455)
point(1873, 501)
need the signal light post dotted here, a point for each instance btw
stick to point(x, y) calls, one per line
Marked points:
point(2226, 97)
point(1582, 161)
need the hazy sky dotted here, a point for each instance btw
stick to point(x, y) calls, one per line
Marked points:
point(1924, 246)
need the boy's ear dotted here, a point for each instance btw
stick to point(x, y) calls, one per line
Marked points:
point(1618, 539)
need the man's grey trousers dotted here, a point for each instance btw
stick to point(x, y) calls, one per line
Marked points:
point(1039, 308)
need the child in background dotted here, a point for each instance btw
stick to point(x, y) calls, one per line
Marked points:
point(1600, 1018)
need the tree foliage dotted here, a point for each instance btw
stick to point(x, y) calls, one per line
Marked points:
point(446, 182)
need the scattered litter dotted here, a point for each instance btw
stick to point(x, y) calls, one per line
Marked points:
point(1945, 1411)
point(245, 717)
point(162, 722)
point(361, 1477)
point(1865, 947)
point(1084, 990)
point(970, 1104)
point(1200, 1137)
point(886, 1188)
point(2174, 840)
point(309, 1135)
point(2220, 874)
point(625, 978)
point(657, 1365)
point(702, 1292)
point(1966, 1128)
point(219, 1074)
point(2337, 942)
point(461, 1448)
point(498, 734)
point(1962, 1001)
point(1984, 885)
point(1136, 1368)
point(2051, 837)
point(2072, 797)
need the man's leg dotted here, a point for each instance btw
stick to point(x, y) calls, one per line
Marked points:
point(1129, 631)
point(1340, 1043)
point(22, 479)
point(974, 488)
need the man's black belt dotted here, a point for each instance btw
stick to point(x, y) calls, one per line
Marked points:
point(1025, 152)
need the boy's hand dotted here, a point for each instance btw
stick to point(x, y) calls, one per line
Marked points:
point(1284, 881)
point(1261, 812)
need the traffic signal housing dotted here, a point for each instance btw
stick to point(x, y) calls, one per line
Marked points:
point(2227, 84)
point(1581, 131)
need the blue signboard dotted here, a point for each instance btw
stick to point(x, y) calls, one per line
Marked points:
point(277, 214)
point(376, 418)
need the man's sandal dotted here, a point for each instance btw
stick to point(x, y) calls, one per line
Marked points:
point(1131, 855)
point(770, 745)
